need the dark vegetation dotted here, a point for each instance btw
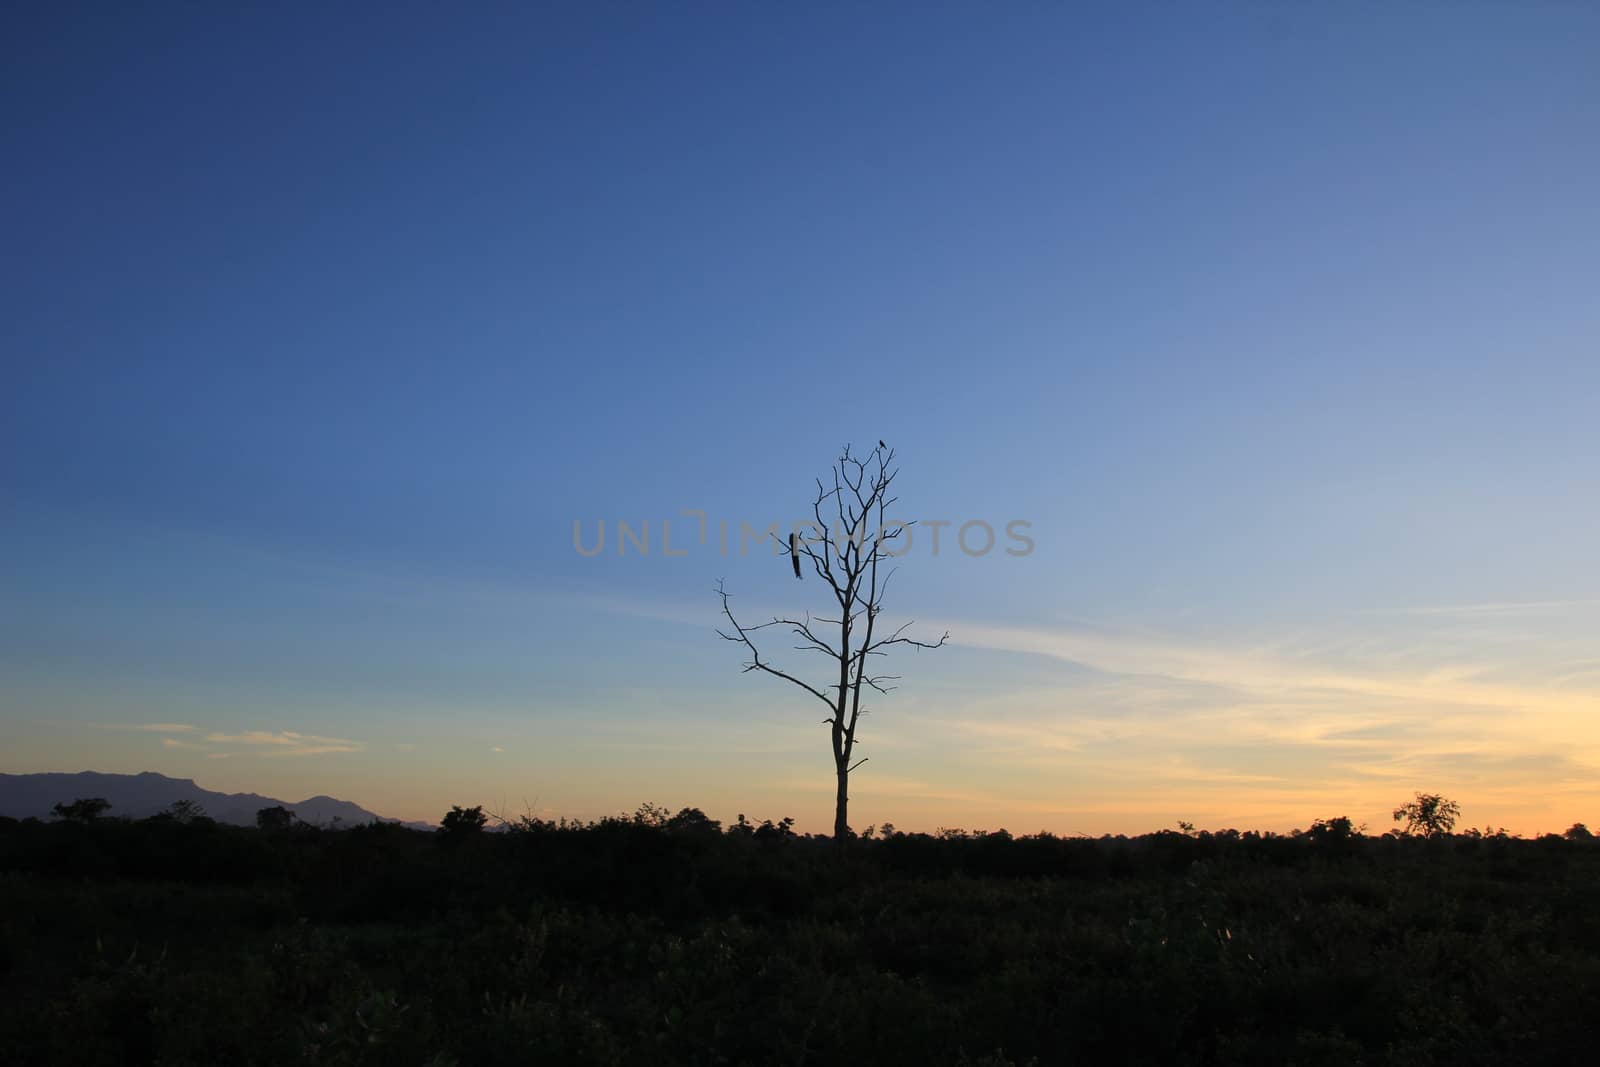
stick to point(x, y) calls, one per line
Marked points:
point(662, 938)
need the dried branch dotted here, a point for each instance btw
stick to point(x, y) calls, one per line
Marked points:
point(755, 663)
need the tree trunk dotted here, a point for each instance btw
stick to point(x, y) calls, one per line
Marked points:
point(841, 804)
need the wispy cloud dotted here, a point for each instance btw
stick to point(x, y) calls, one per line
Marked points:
point(1277, 672)
point(265, 743)
point(1506, 607)
point(908, 790)
point(1268, 731)
point(151, 727)
point(286, 743)
point(220, 744)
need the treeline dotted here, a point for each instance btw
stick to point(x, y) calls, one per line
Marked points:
point(686, 864)
point(664, 938)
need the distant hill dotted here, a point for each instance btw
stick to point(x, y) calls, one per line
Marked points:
point(137, 796)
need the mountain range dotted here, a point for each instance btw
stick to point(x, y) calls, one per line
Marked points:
point(138, 796)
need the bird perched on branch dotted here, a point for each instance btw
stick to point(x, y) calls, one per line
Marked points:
point(881, 444)
point(794, 552)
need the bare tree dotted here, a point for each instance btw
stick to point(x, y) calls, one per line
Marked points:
point(853, 563)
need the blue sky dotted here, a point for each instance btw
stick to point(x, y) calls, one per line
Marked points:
point(322, 328)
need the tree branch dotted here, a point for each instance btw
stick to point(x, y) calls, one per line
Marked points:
point(755, 663)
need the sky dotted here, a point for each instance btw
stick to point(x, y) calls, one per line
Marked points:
point(321, 328)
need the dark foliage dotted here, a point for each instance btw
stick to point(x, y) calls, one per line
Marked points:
point(1428, 814)
point(275, 818)
point(461, 823)
point(84, 809)
point(656, 938)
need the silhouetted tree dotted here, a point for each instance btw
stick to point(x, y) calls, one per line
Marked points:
point(1578, 832)
point(768, 829)
point(276, 817)
point(1335, 829)
point(653, 815)
point(1484, 833)
point(459, 822)
point(185, 811)
point(853, 564)
point(1428, 815)
point(84, 809)
point(694, 820)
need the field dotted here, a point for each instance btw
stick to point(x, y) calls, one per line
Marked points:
point(648, 940)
